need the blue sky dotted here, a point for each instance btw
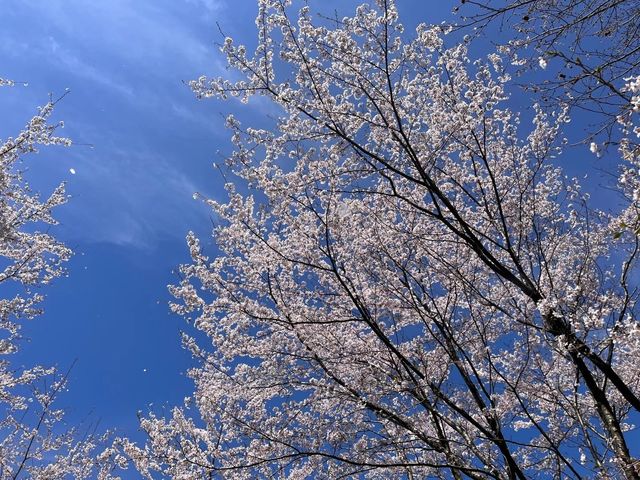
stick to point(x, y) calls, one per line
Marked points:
point(144, 145)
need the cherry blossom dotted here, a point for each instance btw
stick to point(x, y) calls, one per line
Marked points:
point(34, 442)
point(408, 286)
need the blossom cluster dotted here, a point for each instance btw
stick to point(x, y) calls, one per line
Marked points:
point(408, 284)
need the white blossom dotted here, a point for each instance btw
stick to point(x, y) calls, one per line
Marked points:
point(34, 441)
point(409, 279)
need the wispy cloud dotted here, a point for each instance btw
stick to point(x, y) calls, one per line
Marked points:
point(124, 60)
point(131, 198)
point(66, 59)
point(100, 40)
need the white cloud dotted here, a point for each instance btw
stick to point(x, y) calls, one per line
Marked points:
point(70, 62)
point(124, 60)
point(100, 40)
point(132, 198)
point(210, 6)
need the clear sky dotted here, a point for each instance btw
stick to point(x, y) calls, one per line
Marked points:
point(144, 145)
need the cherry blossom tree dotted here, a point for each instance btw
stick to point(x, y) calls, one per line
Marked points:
point(34, 441)
point(589, 47)
point(408, 286)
